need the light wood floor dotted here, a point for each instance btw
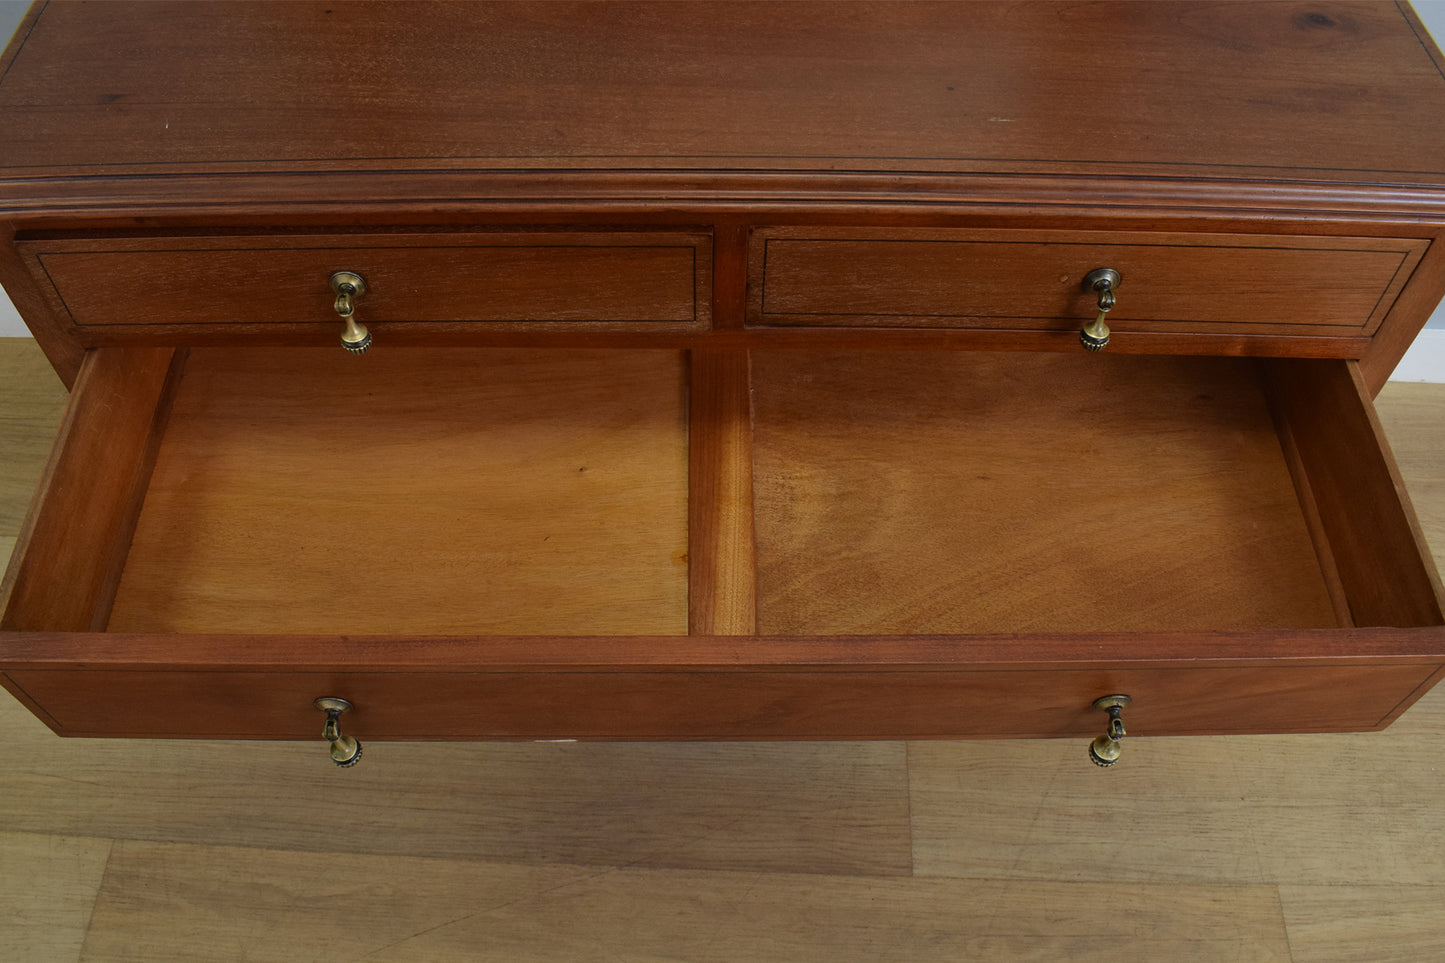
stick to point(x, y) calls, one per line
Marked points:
point(1305, 848)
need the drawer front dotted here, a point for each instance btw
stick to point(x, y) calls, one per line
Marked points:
point(738, 703)
point(1244, 284)
point(614, 278)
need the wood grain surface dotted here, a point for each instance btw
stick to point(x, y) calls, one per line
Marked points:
point(443, 910)
point(417, 491)
point(52, 334)
point(73, 543)
point(905, 492)
point(816, 807)
point(47, 893)
point(1148, 496)
point(749, 87)
point(722, 597)
point(413, 277)
point(1308, 810)
point(1257, 284)
point(1418, 300)
point(1297, 118)
point(1365, 924)
point(1373, 535)
point(783, 703)
point(1306, 848)
point(863, 115)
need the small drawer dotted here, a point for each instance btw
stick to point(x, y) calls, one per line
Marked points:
point(1032, 280)
point(419, 279)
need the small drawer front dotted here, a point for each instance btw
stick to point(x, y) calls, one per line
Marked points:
point(1245, 284)
point(740, 703)
point(615, 278)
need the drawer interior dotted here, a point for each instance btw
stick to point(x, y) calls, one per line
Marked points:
point(416, 491)
point(538, 492)
point(976, 492)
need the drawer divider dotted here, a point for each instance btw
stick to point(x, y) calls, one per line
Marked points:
point(722, 569)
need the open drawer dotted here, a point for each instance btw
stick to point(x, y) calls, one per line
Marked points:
point(629, 544)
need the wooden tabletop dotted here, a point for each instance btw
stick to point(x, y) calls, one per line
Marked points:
point(1327, 92)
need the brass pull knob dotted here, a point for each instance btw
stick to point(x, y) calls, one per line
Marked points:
point(1103, 281)
point(345, 750)
point(348, 287)
point(1105, 750)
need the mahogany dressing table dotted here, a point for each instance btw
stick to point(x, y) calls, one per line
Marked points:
point(721, 370)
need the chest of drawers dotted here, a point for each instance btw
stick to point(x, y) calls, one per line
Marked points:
point(724, 375)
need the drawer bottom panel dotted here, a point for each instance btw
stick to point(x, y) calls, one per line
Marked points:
point(735, 703)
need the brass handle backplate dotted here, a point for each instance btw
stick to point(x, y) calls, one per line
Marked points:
point(1103, 282)
point(1105, 750)
point(345, 750)
point(348, 286)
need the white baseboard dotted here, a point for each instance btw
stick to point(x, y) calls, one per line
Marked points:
point(1425, 361)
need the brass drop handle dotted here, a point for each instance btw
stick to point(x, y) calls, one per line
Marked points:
point(348, 287)
point(345, 750)
point(1105, 750)
point(1103, 282)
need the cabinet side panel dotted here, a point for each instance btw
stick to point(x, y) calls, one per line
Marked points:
point(1408, 314)
point(52, 329)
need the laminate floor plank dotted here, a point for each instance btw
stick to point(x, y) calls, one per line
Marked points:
point(32, 399)
point(1320, 809)
point(1168, 812)
point(802, 807)
point(165, 902)
point(48, 887)
point(1365, 924)
point(1342, 809)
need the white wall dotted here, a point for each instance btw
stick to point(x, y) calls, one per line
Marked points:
point(1426, 361)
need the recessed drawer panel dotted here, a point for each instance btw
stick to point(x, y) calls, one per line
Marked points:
point(632, 278)
point(1250, 284)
